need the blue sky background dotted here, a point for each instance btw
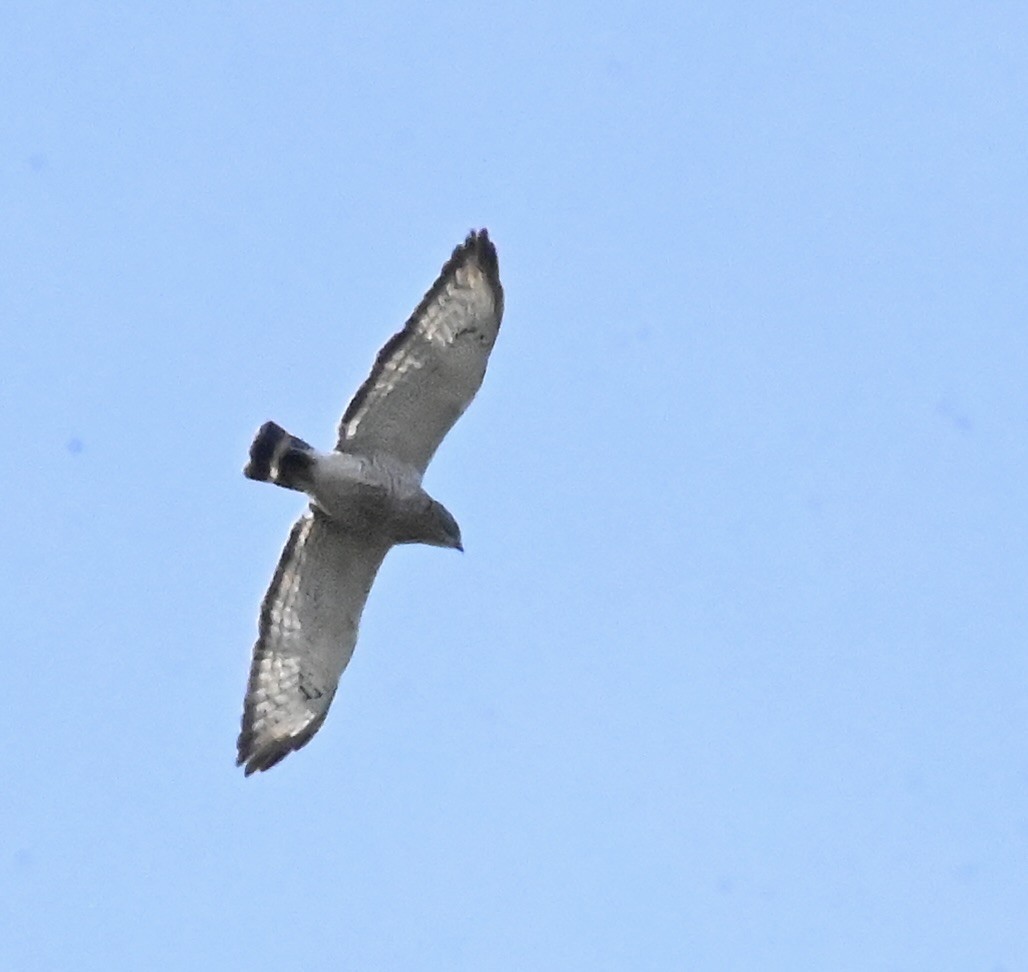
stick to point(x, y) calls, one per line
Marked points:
point(733, 673)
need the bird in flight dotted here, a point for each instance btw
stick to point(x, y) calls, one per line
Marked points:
point(365, 496)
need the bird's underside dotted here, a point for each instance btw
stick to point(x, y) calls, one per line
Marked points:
point(365, 496)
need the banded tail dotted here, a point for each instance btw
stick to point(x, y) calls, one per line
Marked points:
point(280, 458)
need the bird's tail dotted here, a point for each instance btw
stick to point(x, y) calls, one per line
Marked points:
point(280, 458)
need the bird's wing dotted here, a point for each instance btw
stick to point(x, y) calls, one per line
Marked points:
point(428, 373)
point(307, 630)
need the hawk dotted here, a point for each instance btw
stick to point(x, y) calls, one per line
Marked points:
point(365, 496)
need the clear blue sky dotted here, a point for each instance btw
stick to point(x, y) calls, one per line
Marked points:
point(734, 672)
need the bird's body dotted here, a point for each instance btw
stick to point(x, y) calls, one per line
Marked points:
point(372, 495)
point(365, 497)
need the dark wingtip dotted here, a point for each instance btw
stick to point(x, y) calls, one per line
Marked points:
point(253, 757)
point(258, 758)
point(257, 761)
point(478, 245)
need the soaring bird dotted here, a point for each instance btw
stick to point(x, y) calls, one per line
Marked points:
point(365, 496)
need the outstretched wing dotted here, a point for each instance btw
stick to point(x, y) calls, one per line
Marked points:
point(428, 373)
point(307, 630)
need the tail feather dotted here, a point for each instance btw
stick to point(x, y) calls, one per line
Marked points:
point(280, 458)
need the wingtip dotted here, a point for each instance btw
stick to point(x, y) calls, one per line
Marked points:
point(479, 247)
point(478, 244)
point(257, 751)
point(257, 759)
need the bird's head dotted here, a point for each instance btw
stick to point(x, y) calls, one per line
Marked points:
point(443, 531)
